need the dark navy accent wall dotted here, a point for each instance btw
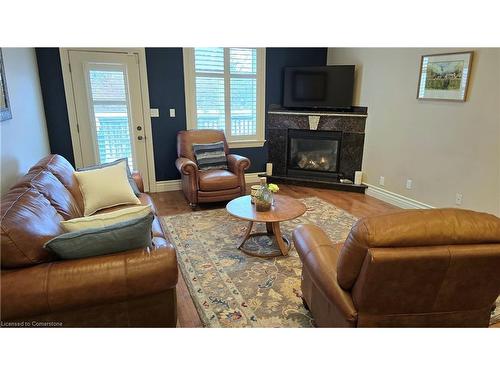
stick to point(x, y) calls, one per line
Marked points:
point(54, 102)
point(166, 90)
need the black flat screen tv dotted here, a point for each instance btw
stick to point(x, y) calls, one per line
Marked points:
point(318, 87)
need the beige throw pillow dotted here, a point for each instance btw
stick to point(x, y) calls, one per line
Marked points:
point(105, 187)
point(105, 219)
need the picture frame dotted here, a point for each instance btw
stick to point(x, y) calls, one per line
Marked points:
point(445, 76)
point(5, 111)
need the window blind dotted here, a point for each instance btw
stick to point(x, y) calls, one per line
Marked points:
point(226, 90)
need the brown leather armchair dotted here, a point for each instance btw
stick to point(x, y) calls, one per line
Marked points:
point(213, 185)
point(414, 268)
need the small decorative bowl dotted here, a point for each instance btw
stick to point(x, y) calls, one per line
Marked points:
point(254, 189)
point(261, 205)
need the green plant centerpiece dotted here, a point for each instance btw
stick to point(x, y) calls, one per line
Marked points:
point(265, 195)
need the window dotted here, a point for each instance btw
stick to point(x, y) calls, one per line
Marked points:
point(225, 91)
point(109, 102)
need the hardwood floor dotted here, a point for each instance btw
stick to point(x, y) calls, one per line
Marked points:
point(173, 202)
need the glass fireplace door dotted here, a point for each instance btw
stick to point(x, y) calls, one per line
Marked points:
point(313, 151)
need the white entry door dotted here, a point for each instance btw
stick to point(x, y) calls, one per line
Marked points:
point(108, 103)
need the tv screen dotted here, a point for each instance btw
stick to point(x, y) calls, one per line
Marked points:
point(322, 87)
point(309, 86)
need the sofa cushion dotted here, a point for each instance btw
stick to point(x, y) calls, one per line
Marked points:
point(213, 180)
point(28, 221)
point(122, 236)
point(54, 191)
point(144, 198)
point(105, 219)
point(64, 172)
point(105, 187)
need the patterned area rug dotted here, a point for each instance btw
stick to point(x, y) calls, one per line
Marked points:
point(232, 289)
point(495, 313)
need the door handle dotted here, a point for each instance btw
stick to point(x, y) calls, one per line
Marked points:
point(140, 137)
point(139, 128)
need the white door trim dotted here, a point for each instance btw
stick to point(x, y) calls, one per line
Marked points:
point(149, 179)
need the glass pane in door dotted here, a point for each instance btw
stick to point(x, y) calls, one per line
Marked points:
point(111, 115)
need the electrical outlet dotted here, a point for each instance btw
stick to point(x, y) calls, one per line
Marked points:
point(154, 112)
point(409, 183)
point(172, 112)
point(381, 180)
point(458, 199)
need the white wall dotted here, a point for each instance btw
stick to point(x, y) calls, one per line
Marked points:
point(445, 147)
point(24, 137)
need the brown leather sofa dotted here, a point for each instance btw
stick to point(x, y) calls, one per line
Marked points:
point(213, 185)
point(134, 288)
point(414, 268)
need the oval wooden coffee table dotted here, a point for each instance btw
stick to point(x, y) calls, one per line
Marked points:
point(283, 209)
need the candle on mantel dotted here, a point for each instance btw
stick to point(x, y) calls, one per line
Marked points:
point(269, 169)
point(358, 177)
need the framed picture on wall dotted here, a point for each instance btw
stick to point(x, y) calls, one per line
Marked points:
point(445, 76)
point(5, 113)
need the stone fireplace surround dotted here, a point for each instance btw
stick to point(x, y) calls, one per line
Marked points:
point(350, 123)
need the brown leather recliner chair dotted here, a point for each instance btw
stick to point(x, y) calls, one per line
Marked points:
point(212, 185)
point(414, 268)
point(135, 288)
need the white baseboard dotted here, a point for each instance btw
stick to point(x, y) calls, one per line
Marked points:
point(172, 185)
point(393, 198)
point(251, 178)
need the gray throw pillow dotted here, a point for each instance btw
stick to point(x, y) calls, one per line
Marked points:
point(131, 180)
point(114, 238)
point(210, 155)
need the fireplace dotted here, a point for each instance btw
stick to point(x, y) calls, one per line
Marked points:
point(315, 148)
point(314, 153)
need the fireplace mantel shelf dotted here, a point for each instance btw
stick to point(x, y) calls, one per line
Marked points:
point(356, 112)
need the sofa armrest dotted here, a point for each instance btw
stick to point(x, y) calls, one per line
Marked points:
point(136, 175)
point(319, 256)
point(186, 167)
point(72, 284)
point(237, 164)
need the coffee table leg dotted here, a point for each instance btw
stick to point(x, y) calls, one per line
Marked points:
point(269, 228)
point(247, 234)
point(279, 238)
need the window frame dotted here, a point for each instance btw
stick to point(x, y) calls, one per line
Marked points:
point(256, 140)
